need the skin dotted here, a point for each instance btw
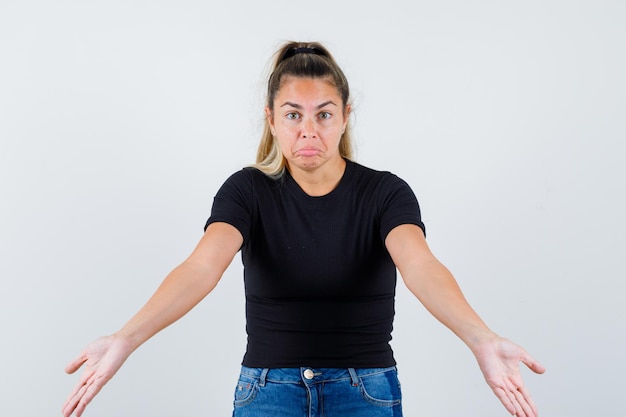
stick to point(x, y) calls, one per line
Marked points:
point(308, 118)
point(181, 290)
point(435, 287)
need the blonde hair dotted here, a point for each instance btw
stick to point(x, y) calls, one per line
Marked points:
point(307, 60)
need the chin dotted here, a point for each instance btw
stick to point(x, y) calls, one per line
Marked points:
point(309, 166)
point(308, 162)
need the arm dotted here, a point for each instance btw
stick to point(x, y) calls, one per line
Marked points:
point(435, 287)
point(181, 290)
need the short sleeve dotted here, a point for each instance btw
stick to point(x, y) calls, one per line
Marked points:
point(233, 203)
point(398, 205)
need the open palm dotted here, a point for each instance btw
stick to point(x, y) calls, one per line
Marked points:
point(499, 363)
point(102, 359)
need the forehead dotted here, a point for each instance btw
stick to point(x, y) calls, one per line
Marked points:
point(306, 88)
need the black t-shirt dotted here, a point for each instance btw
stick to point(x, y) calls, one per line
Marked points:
point(319, 282)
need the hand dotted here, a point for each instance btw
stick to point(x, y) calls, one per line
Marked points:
point(499, 362)
point(102, 358)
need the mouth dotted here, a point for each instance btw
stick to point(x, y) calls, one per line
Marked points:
point(307, 152)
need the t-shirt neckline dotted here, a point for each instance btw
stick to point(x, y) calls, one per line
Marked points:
point(345, 178)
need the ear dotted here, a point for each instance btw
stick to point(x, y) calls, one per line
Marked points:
point(269, 115)
point(346, 115)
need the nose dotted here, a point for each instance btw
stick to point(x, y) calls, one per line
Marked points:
point(308, 130)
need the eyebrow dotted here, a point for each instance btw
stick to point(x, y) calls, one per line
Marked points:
point(297, 106)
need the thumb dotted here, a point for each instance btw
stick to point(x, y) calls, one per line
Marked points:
point(74, 365)
point(532, 364)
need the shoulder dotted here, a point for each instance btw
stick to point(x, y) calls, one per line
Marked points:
point(250, 177)
point(384, 180)
point(245, 174)
point(391, 196)
point(369, 171)
point(385, 187)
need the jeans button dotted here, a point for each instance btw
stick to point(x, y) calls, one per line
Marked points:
point(308, 374)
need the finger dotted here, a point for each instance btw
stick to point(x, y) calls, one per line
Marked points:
point(77, 393)
point(505, 400)
point(83, 396)
point(532, 364)
point(72, 405)
point(74, 365)
point(528, 400)
point(527, 409)
point(82, 382)
point(92, 390)
point(513, 397)
point(72, 401)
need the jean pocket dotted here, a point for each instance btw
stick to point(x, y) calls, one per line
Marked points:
point(246, 390)
point(382, 388)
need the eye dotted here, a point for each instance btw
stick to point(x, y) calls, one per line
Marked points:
point(292, 116)
point(325, 115)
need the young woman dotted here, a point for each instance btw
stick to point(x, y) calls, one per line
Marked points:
point(321, 237)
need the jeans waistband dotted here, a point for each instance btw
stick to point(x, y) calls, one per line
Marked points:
point(310, 375)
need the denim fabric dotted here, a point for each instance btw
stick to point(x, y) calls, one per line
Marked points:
point(318, 392)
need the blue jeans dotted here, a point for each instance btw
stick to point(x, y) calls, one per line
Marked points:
point(318, 392)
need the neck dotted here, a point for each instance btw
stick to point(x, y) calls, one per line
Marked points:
point(319, 182)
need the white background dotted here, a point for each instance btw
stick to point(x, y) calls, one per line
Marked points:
point(119, 120)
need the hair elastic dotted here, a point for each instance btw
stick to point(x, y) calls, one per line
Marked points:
point(306, 50)
point(302, 50)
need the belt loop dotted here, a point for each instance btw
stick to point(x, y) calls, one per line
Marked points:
point(354, 376)
point(263, 377)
